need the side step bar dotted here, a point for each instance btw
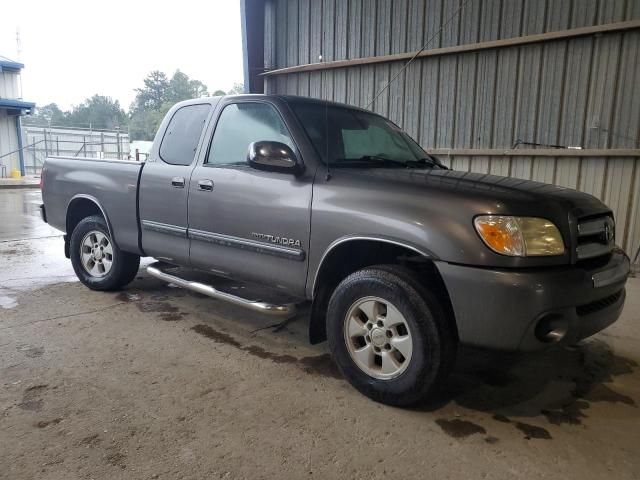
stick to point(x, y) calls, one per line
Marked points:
point(288, 309)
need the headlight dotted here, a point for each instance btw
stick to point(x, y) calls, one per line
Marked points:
point(519, 236)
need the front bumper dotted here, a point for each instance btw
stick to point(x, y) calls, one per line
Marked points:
point(505, 309)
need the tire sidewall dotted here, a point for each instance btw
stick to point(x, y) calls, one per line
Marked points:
point(96, 283)
point(425, 358)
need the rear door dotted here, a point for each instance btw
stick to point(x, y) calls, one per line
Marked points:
point(246, 223)
point(164, 184)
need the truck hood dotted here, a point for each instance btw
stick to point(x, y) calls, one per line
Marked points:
point(517, 194)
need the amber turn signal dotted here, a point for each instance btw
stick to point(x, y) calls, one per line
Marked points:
point(519, 236)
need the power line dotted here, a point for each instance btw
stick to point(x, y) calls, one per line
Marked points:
point(462, 5)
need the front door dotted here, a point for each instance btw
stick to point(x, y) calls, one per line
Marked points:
point(245, 223)
point(164, 186)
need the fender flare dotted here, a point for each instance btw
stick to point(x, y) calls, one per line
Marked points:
point(94, 200)
point(350, 238)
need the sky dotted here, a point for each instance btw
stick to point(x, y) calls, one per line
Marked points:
point(74, 49)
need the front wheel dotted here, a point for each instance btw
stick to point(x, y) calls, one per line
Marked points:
point(97, 261)
point(389, 335)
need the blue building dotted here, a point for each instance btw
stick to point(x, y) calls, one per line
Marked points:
point(12, 107)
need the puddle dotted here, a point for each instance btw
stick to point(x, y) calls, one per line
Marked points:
point(156, 307)
point(172, 317)
point(274, 357)
point(533, 431)
point(557, 385)
point(313, 365)
point(501, 418)
point(458, 428)
point(570, 414)
point(602, 393)
point(128, 297)
point(530, 431)
point(215, 335)
point(29, 265)
point(7, 301)
point(321, 365)
point(46, 423)
point(31, 398)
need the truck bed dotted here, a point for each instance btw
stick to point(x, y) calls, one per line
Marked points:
point(112, 184)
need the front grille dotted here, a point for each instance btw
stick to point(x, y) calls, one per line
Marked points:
point(596, 237)
point(598, 305)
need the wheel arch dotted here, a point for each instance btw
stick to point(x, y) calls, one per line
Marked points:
point(349, 254)
point(82, 206)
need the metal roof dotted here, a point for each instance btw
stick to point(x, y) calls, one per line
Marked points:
point(22, 106)
point(8, 65)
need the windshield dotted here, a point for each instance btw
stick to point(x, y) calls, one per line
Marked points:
point(346, 137)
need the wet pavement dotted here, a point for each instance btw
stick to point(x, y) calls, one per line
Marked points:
point(31, 252)
point(158, 382)
point(20, 216)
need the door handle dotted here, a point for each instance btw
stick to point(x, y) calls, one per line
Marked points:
point(205, 185)
point(177, 182)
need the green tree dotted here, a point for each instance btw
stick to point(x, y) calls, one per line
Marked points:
point(157, 96)
point(236, 89)
point(49, 114)
point(181, 87)
point(153, 94)
point(98, 112)
point(144, 123)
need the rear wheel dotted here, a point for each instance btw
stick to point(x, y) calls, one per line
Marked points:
point(389, 335)
point(97, 261)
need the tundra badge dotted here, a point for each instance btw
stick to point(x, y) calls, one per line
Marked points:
point(290, 242)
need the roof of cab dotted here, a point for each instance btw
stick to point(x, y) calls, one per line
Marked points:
point(290, 99)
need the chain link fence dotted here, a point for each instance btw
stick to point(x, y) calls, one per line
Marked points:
point(40, 142)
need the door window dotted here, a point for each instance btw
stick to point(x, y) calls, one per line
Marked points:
point(241, 124)
point(181, 138)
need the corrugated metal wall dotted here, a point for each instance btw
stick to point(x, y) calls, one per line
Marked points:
point(8, 143)
point(8, 136)
point(578, 91)
point(9, 85)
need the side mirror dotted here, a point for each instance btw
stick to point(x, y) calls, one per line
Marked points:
point(273, 157)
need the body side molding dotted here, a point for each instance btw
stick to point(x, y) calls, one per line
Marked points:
point(164, 228)
point(246, 244)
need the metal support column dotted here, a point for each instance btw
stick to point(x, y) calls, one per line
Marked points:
point(20, 152)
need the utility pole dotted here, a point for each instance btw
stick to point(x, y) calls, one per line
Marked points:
point(19, 54)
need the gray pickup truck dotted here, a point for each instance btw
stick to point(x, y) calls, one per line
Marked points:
point(402, 258)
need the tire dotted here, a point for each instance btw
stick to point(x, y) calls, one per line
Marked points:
point(112, 268)
point(399, 376)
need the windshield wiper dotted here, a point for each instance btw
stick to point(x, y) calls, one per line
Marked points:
point(429, 162)
point(378, 161)
point(368, 161)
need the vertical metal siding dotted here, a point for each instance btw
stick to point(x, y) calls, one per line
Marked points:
point(580, 91)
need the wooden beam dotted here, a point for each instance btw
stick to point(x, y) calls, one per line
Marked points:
point(534, 152)
point(469, 47)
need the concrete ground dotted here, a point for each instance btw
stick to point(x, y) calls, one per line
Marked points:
point(156, 382)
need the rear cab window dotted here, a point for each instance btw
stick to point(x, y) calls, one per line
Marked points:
point(181, 137)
